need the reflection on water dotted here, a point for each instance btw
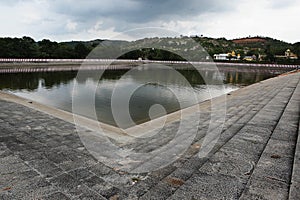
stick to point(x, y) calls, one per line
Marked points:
point(56, 88)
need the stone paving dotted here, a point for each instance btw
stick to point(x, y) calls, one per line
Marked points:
point(256, 157)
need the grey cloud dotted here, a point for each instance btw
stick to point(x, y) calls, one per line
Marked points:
point(126, 12)
point(10, 3)
point(281, 4)
point(147, 9)
point(115, 15)
point(120, 14)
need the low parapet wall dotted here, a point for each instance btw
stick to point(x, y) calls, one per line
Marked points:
point(8, 65)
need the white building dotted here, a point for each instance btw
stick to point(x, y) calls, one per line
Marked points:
point(221, 56)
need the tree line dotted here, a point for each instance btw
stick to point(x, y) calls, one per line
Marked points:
point(27, 47)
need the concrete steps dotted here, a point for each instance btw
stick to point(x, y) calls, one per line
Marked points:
point(272, 174)
point(189, 168)
point(227, 172)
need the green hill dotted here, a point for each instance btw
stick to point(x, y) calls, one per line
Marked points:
point(191, 48)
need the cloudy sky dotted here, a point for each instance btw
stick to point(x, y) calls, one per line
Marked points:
point(64, 20)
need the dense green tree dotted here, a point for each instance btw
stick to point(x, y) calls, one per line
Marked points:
point(296, 48)
point(64, 51)
point(269, 56)
point(47, 48)
point(30, 48)
point(81, 50)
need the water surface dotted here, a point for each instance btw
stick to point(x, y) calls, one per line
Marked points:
point(57, 89)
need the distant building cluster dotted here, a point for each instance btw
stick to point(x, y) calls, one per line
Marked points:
point(232, 56)
point(227, 56)
point(288, 55)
